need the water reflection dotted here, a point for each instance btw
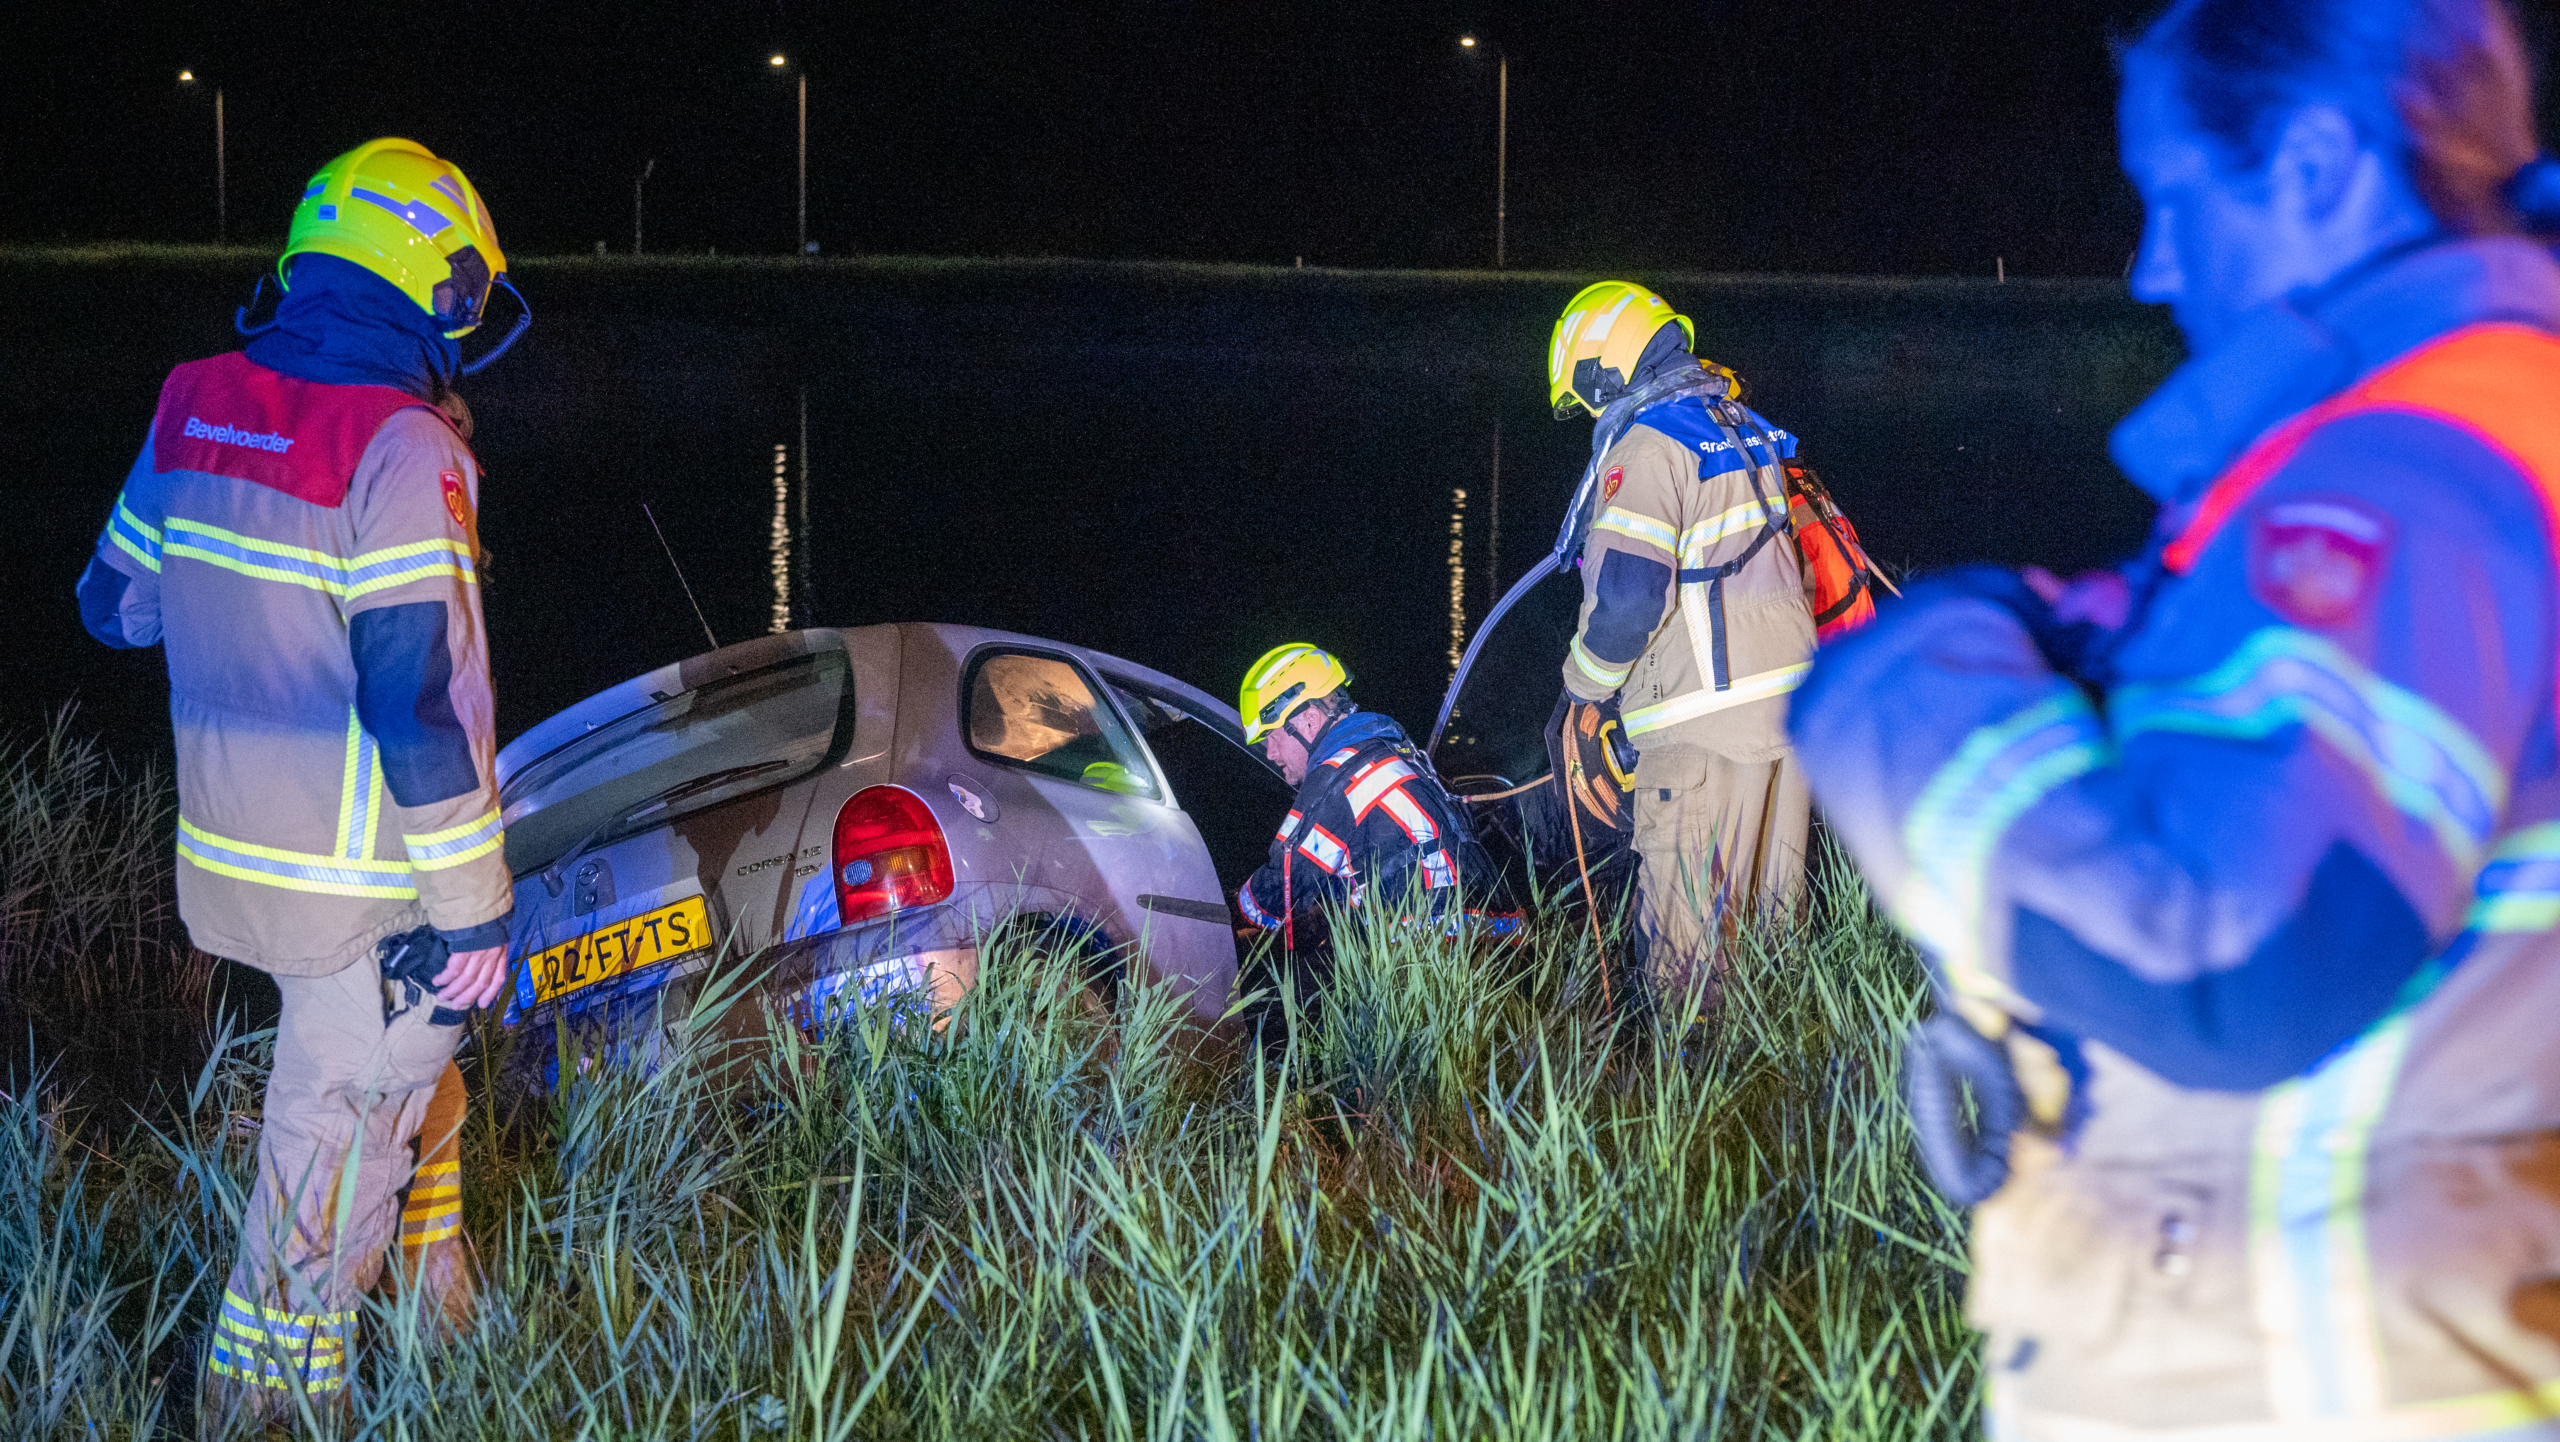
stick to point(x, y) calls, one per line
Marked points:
point(780, 564)
point(1457, 575)
point(1178, 464)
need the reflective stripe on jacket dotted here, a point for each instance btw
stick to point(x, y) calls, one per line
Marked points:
point(2275, 874)
point(1694, 612)
point(308, 556)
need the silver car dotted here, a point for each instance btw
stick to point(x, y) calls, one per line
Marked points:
point(861, 807)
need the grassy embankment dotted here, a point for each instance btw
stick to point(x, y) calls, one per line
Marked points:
point(1458, 1202)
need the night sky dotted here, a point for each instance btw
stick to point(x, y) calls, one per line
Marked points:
point(1772, 135)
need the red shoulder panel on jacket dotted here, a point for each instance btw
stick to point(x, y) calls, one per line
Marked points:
point(2494, 381)
point(229, 416)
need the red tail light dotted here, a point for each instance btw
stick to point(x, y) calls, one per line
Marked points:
point(889, 855)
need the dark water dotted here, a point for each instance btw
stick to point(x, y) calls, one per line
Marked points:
point(1182, 465)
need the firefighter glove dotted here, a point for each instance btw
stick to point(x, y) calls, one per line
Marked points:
point(1594, 765)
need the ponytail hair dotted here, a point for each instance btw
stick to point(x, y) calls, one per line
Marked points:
point(2534, 195)
point(2443, 85)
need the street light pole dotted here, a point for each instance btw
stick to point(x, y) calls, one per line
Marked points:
point(221, 166)
point(636, 183)
point(1501, 142)
point(778, 61)
point(804, 162)
point(221, 176)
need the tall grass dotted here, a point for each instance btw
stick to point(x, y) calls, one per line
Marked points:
point(1448, 1196)
point(94, 967)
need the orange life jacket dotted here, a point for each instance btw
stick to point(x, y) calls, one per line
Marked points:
point(1842, 577)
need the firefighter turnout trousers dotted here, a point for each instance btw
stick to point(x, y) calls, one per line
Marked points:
point(1716, 837)
point(338, 1145)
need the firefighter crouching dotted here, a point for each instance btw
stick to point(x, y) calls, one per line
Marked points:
point(1371, 826)
point(1714, 560)
point(299, 535)
point(2239, 867)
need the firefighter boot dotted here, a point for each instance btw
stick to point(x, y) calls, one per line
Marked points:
point(435, 1255)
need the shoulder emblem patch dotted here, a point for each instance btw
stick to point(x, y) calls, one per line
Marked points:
point(456, 500)
point(1609, 483)
point(2314, 560)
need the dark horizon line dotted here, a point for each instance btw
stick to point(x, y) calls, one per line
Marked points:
point(1995, 275)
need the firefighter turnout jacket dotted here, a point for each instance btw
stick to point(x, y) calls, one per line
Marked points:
point(1370, 820)
point(308, 556)
point(1694, 609)
point(2272, 872)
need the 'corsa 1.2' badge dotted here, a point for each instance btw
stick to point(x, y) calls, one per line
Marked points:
point(2315, 560)
point(456, 500)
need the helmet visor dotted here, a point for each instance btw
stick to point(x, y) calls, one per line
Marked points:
point(461, 300)
point(1279, 706)
point(1259, 726)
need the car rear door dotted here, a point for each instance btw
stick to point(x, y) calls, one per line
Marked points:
point(1229, 790)
point(1043, 717)
point(1188, 916)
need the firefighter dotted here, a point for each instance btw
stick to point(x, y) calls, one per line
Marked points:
point(1699, 616)
point(1372, 826)
point(2238, 866)
point(299, 534)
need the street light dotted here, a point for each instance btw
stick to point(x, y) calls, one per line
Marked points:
point(778, 61)
point(221, 167)
point(1501, 138)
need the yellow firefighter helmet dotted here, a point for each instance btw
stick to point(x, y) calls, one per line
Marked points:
point(395, 208)
point(1604, 330)
point(1286, 678)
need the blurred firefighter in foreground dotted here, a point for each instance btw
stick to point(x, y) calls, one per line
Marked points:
point(1372, 826)
point(1714, 560)
point(299, 534)
point(2239, 867)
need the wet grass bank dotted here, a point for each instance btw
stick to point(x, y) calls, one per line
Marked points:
point(1456, 1197)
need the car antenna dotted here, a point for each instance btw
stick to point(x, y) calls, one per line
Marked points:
point(680, 580)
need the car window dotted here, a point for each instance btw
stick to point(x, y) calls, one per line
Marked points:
point(1147, 713)
point(1040, 713)
point(692, 750)
point(1158, 713)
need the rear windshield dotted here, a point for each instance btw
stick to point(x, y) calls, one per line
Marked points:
point(690, 751)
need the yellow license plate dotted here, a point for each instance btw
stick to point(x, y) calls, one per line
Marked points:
point(622, 948)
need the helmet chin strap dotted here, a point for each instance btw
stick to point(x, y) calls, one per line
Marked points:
point(524, 318)
point(240, 317)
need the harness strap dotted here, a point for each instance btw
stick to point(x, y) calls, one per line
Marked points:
point(1714, 576)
